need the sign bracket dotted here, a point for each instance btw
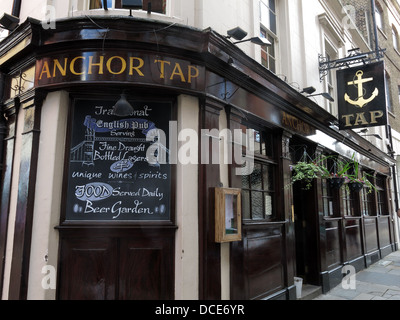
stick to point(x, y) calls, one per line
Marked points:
point(354, 57)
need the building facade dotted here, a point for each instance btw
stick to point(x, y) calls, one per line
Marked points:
point(99, 202)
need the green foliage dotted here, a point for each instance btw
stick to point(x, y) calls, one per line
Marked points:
point(306, 172)
point(349, 170)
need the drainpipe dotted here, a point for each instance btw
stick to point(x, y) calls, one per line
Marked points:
point(373, 8)
point(3, 126)
point(16, 9)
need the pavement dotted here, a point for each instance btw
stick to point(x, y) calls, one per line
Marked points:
point(380, 281)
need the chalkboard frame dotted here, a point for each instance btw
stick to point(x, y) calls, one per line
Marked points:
point(74, 99)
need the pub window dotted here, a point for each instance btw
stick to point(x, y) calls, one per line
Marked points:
point(258, 192)
point(258, 188)
point(156, 5)
point(381, 196)
point(268, 30)
point(328, 197)
point(348, 202)
point(367, 202)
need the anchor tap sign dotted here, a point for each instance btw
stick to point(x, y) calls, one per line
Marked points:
point(361, 96)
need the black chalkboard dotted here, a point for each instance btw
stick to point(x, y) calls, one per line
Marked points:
point(110, 177)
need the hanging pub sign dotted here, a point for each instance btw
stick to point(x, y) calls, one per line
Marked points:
point(110, 177)
point(362, 96)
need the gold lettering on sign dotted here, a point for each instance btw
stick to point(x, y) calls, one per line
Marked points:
point(296, 124)
point(99, 64)
point(162, 67)
point(94, 64)
point(57, 65)
point(72, 66)
point(362, 118)
point(137, 68)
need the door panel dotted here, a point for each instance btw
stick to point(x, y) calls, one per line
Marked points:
point(146, 270)
point(88, 269)
point(117, 267)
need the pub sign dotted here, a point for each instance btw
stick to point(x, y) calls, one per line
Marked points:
point(362, 96)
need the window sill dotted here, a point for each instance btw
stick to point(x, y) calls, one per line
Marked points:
point(383, 33)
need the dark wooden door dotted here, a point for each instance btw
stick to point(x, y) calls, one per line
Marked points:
point(306, 234)
point(123, 267)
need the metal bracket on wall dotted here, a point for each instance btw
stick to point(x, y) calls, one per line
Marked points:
point(354, 57)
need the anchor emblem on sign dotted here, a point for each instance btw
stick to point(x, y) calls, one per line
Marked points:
point(361, 102)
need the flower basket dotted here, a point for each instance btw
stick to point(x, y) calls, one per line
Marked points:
point(335, 182)
point(355, 186)
point(306, 172)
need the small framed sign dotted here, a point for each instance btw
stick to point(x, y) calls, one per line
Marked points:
point(228, 222)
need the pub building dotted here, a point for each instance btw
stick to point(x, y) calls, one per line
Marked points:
point(84, 212)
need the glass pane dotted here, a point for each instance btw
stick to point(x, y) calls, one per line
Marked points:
point(230, 214)
point(272, 65)
point(257, 205)
point(256, 178)
point(264, 15)
point(268, 205)
point(272, 23)
point(257, 142)
point(268, 178)
point(272, 5)
point(271, 49)
point(96, 4)
point(245, 182)
point(246, 204)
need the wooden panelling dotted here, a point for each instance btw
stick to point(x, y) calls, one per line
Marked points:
point(332, 243)
point(371, 237)
point(384, 231)
point(353, 238)
point(88, 269)
point(264, 253)
point(119, 265)
point(146, 270)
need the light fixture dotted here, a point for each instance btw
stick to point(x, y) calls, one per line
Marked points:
point(309, 90)
point(132, 5)
point(123, 108)
point(326, 95)
point(257, 40)
point(236, 33)
point(9, 22)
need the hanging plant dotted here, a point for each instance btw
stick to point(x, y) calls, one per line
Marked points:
point(353, 182)
point(306, 172)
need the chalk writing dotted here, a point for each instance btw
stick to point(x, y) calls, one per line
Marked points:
point(110, 175)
